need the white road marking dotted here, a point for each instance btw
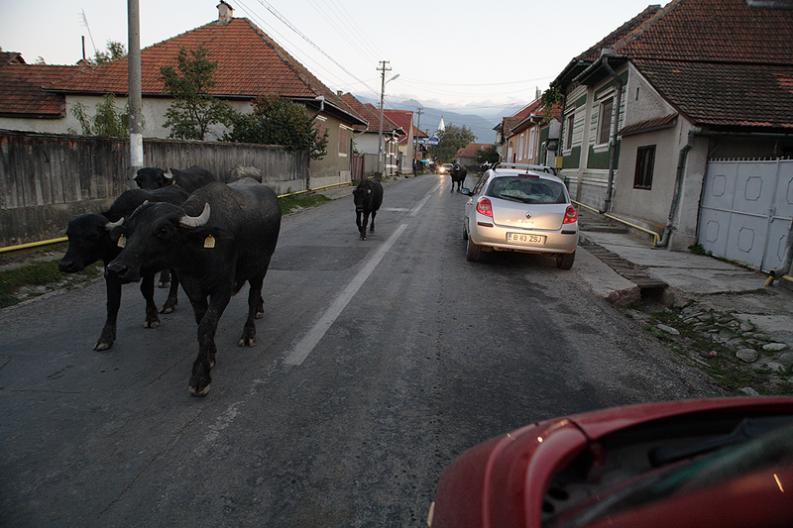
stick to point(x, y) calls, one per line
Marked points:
point(396, 209)
point(423, 201)
point(303, 348)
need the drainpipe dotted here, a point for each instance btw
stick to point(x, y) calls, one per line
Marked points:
point(678, 189)
point(613, 140)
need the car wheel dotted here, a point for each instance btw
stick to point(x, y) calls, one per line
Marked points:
point(472, 251)
point(565, 261)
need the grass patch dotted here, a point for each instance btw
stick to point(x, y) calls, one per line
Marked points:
point(290, 204)
point(43, 273)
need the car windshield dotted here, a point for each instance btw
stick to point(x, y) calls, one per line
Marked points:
point(527, 189)
point(771, 451)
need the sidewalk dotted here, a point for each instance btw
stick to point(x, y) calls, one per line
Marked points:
point(717, 313)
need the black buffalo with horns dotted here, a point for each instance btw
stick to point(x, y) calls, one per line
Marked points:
point(189, 179)
point(91, 238)
point(221, 237)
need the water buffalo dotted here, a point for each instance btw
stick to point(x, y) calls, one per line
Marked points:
point(188, 179)
point(220, 238)
point(368, 197)
point(458, 174)
point(91, 239)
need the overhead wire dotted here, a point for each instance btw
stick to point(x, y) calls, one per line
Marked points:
point(292, 48)
point(277, 14)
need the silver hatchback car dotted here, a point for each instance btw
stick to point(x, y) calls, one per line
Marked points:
point(526, 211)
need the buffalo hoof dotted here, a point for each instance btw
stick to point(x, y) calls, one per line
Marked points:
point(168, 308)
point(199, 393)
point(247, 341)
point(371, 229)
point(259, 315)
point(103, 345)
point(152, 323)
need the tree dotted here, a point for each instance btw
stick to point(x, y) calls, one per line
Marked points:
point(450, 141)
point(278, 121)
point(488, 154)
point(107, 121)
point(552, 97)
point(115, 50)
point(194, 110)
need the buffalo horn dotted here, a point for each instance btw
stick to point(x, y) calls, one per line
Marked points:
point(112, 225)
point(196, 221)
point(168, 174)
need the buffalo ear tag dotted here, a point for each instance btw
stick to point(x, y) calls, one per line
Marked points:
point(122, 241)
point(209, 242)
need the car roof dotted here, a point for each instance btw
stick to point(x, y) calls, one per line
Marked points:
point(496, 173)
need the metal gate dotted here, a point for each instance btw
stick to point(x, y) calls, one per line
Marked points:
point(746, 211)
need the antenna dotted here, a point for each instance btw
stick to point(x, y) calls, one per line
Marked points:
point(85, 23)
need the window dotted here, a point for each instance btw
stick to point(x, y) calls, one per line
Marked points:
point(344, 142)
point(527, 189)
point(645, 160)
point(604, 127)
point(568, 128)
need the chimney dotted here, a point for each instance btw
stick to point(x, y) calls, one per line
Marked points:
point(339, 93)
point(225, 12)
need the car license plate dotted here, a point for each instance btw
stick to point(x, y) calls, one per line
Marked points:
point(520, 238)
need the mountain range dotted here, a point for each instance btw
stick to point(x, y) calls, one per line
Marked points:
point(481, 123)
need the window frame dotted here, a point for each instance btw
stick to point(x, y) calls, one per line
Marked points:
point(570, 126)
point(640, 176)
point(601, 122)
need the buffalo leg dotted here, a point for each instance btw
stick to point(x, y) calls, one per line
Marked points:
point(165, 278)
point(260, 308)
point(108, 335)
point(371, 229)
point(147, 289)
point(173, 295)
point(363, 225)
point(200, 378)
point(248, 337)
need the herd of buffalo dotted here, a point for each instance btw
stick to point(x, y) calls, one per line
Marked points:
point(208, 236)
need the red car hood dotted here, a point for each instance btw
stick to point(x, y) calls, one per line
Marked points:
point(501, 482)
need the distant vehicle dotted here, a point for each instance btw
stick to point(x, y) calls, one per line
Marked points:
point(445, 168)
point(725, 462)
point(526, 211)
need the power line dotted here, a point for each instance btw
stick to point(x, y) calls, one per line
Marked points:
point(295, 50)
point(362, 36)
point(342, 28)
point(302, 35)
point(498, 83)
point(87, 27)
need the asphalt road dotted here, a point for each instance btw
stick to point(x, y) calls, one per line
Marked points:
point(377, 362)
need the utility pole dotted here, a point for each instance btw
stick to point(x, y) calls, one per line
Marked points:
point(385, 66)
point(419, 111)
point(134, 89)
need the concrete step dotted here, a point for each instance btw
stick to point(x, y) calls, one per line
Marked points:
point(648, 285)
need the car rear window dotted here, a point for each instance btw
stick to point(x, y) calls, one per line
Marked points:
point(527, 189)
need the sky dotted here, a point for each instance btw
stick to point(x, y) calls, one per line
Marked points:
point(470, 56)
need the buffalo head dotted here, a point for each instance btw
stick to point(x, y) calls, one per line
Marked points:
point(152, 236)
point(153, 178)
point(90, 239)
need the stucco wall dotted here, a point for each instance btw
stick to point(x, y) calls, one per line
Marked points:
point(649, 204)
point(333, 168)
point(642, 102)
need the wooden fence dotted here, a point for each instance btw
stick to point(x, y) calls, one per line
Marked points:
point(45, 179)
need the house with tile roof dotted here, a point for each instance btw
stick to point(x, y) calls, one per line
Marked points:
point(249, 64)
point(407, 145)
point(467, 154)
point(647, 107)
point(366, 137)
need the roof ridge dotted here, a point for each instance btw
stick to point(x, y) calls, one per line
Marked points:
point(638, 31)
point(598, 45)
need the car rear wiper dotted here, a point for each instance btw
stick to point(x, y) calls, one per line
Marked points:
point(747, 429)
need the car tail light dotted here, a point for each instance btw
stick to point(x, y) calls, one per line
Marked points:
point(570, 216)
point(484, 206)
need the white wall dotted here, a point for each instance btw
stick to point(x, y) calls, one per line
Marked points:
point(153, 117)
